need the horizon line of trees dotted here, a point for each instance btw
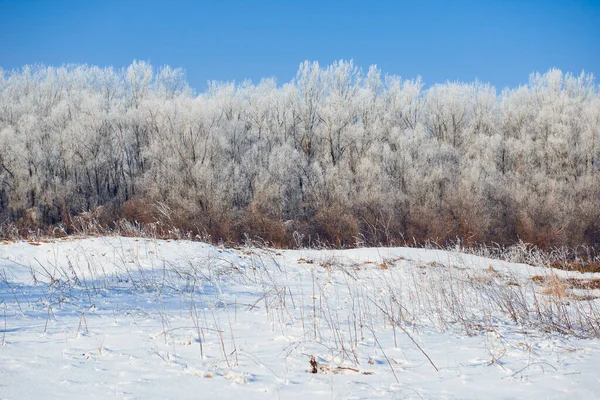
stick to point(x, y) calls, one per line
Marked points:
point(337, 155)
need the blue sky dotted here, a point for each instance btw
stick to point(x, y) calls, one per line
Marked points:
point(500, 42)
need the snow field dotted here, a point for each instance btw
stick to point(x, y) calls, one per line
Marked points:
point(114, 317)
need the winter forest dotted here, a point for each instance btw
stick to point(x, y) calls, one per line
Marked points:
point(338, 156)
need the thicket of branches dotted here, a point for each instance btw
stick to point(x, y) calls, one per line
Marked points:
point(336, 155)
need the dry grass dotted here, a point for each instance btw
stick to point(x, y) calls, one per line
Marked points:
point(555, 286)
point(593, 267)
point(587, 284)
point(570, 283)
point(492, 271)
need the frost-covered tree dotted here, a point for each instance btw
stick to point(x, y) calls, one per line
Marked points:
point(338, 154)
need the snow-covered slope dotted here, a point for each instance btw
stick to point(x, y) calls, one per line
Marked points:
point(115, 317)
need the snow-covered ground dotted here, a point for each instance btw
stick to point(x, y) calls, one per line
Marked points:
point(114, 317)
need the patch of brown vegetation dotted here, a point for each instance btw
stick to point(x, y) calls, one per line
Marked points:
point(336, 225)
point(555, 286)
point(588, 284)
point(435, 264)
point(571, 283)
point(396, 259)
point(493, 272)
point(577, 266)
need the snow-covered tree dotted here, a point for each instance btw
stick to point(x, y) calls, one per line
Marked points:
point(336, 154)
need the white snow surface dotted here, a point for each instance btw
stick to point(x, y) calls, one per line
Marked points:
point(114, 317)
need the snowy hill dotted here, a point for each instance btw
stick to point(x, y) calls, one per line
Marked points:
point(114, 317)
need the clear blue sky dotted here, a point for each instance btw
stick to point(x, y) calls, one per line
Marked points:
point(500, 42)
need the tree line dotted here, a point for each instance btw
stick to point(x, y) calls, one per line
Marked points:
point(338, 155)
